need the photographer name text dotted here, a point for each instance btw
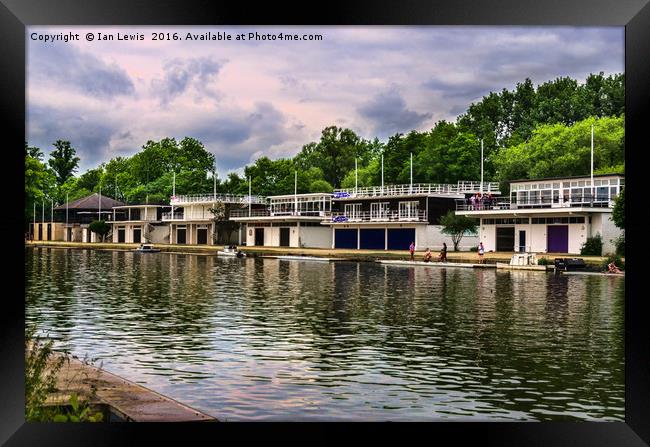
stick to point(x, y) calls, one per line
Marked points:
point(166, 36)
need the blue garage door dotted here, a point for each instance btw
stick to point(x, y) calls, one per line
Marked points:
point(373, 238)
point(345, 238)
point(400, 238)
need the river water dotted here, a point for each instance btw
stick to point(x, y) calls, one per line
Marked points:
point(265, 339)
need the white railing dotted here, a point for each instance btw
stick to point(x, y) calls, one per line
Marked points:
point(211, 198)
point(501, 204)
point(264, 213)
point(389, 216)
point(463, 187)
point(174, 216)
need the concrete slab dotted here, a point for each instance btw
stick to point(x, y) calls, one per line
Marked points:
point(131, 401)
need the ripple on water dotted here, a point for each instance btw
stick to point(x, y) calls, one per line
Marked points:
point(275, 340)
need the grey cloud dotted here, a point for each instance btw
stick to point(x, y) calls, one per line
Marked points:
point(89, 135)
point(67, 65)
point(236, 135)
point(180, 74)
point(388, 114)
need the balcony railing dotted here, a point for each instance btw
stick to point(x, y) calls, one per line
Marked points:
point(559, 202)
point(389, 216)
point(463, 187)
point(211, 198)
point(172, 216)
point(265, 213)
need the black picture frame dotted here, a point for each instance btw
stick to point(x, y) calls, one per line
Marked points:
point(16, 14)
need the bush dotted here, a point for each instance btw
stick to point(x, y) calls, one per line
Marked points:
point(616, 259)
point(41, 370)
point(544, 261)
point(593, 246)
point(474, 249)
point(619, 242)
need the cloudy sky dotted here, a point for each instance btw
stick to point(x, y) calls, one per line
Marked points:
point(244, 99)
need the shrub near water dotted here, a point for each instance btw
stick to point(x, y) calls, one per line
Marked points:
point(593, 246)
point(41, 371)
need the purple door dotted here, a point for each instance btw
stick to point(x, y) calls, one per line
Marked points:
point(557, 238)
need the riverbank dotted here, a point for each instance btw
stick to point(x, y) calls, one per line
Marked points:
point(127, 401)
point(345, 254)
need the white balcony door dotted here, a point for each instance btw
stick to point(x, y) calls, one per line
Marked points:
point(353, 210)
point(408, 210)
point(379, 210)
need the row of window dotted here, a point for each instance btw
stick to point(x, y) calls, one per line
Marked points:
point(568, 184)
point(535, 220)
point(557, 220)
point(518, 221)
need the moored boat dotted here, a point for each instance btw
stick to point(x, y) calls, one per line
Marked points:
point(232, 251)
point(147, 248)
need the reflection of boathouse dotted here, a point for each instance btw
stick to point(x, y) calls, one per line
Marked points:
point(550, 215)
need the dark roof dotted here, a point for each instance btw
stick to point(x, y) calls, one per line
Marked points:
point(90, 203)
point(566, 177)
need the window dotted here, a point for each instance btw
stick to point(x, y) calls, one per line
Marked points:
point(408, 210)
point(353, 210)
point(534, 197)
point(379, 210)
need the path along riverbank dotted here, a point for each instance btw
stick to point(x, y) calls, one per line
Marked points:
point(345, 254)
point(126, 401)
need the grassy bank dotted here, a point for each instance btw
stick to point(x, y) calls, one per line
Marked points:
point(351, 255)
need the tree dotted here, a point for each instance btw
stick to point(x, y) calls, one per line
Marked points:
point(63, 161)
point(456, 226)
point(223, 226)
point(39, 185)
point(618, 213)
point(33, 152)
point(559, 150)
point(100, 228)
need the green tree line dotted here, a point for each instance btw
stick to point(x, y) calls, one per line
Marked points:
point(527, 132)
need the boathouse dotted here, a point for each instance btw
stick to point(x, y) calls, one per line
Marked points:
point(391, 217)
point(292, 220)
point(191, 221)
point(550, 215)
point(140, 223)
point(70, 221)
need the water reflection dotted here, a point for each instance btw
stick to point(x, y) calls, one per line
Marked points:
point(263, 339)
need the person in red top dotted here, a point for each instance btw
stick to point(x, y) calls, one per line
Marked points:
point(412, 249)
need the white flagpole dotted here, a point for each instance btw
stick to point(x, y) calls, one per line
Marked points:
point(34, 227)
point(66, 209)
point(99, 217)
point(214, 183)
point(174, 185)
point(42, 210)
point(295, 192)
point(249, 196)
point(592, 163)
point(411, 186)
point(356, 176)
point(382, 174)
point(52, 216)
point(481, 167)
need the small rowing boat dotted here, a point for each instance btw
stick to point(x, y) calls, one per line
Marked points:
point(231, 251)
point(146, 248)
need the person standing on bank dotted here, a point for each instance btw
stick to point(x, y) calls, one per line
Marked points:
point(412, 250)
point(443, 253)
point(481, 252)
